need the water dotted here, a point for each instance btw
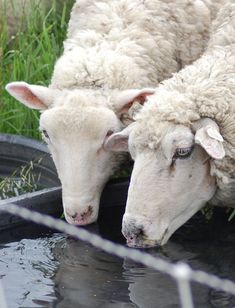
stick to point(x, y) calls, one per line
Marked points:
point(40, 268)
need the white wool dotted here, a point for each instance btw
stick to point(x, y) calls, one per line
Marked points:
point(205, 89)
point(131, 44)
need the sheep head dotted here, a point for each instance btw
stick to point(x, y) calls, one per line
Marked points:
point(76, 124)
point(171, 177)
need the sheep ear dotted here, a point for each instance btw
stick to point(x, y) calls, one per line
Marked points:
point(126, 99)
point(211, 140)
point(32, 96)
point(118, 142)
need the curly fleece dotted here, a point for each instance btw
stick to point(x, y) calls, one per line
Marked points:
point(131, 44)
point(203, 89)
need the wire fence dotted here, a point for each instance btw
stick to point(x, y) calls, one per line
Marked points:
point(180, 272)
point(2, 297)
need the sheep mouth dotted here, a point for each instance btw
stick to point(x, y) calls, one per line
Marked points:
point(143, 243)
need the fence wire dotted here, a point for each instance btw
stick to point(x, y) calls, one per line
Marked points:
point(2, 297)
point(180, 272)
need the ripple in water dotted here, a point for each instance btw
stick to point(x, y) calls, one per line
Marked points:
point(39, 268)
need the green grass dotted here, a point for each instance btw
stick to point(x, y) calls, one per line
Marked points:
point(23, 180)
point(29, 56)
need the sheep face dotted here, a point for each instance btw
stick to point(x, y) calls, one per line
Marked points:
point(75, 138)
point(170, 181)
point(75, 125)
point(168, 185)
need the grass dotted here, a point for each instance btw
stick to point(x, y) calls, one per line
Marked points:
point(29, 55)
point(231, 214)
point(23, 180)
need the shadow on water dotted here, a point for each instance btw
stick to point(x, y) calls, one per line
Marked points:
point(39, 268)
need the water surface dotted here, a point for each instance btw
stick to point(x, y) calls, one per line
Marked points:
point(42, 268)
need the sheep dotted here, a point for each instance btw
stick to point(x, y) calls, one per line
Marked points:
point(112, 49)
point(183, 143)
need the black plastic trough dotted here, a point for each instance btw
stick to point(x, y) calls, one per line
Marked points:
point(16, 151)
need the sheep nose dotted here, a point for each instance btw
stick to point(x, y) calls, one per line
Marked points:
point(131, 241)
point(79, 219)
point(133, 234)
point(73, 216)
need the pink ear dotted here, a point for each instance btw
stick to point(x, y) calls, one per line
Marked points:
point(34, 97)
point(116, 143)
point(126, 99)
point(211, 141)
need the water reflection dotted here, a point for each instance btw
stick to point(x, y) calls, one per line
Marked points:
point(26, 267)
point(55, 270)
point(87, 277)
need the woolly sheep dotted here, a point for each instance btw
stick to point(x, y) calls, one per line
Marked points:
point(183, 143)
point(112, 48)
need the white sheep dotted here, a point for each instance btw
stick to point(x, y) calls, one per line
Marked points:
point(112, 47)
point(183, 143)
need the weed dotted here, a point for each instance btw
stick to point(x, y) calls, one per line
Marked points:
point(29, 55)
point(22, 180)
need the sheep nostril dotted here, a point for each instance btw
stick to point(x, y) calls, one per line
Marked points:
point(141, 232)
point(136, 234)
point(72, 215)
point(88, 213)
point(131, 240)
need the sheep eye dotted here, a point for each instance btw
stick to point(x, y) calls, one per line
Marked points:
point(45, 134)
point(182, 153)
